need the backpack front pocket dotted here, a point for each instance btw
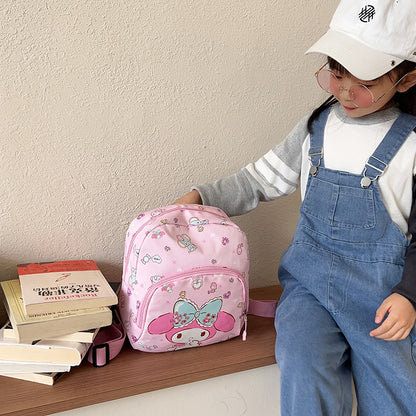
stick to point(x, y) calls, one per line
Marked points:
point(200, 307)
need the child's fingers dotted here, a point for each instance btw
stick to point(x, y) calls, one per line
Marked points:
point(381, 311)
point(391, 330)
point(390, 334)
point(399, 321)
point(385, 329)
point(399, 335)
point(395, 334)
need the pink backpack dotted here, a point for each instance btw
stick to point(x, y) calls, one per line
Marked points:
point(185, 278)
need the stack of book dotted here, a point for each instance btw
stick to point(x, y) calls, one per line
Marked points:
point(55, 310)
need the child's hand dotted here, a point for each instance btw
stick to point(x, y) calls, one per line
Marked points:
point(400, 320)
point(192, 197)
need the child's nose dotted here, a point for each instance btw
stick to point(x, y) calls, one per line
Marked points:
point(345, 87)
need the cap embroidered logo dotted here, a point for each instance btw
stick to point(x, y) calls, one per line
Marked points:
point(367, 13)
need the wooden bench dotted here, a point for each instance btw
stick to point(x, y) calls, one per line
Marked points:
point(134, 372)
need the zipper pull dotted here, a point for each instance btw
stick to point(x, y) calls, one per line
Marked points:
point(245, 327)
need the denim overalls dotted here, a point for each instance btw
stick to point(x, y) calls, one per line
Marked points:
point(345, 257)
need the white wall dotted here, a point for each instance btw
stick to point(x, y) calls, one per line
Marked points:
point(251, 392)
point(110, 108)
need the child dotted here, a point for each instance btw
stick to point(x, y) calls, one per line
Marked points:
point(348, 306)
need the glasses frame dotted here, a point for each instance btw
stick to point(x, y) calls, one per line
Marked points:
point(322, 68)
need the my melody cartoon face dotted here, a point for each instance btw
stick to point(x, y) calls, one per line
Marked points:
point(188, 326)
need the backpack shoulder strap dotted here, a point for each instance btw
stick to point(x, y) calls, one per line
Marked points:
point(108, 342)
point(264, 308)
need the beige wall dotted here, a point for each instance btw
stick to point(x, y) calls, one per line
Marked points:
point(110, 108)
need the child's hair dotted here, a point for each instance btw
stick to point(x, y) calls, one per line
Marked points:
point(406, 100)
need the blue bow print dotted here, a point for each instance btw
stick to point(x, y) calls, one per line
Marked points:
point(185, 311)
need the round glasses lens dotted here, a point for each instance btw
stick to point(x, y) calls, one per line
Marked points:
point(361, 96)
point(327, 81)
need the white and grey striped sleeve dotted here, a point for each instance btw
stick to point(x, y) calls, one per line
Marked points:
point(274, 175)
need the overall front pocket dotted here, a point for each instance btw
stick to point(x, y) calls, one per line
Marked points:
point(340, 206)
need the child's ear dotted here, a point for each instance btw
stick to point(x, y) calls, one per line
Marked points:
point(408, 82)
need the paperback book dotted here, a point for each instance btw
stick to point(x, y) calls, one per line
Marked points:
point(67, 353)
point(16, 367)
point(63, 286)
point(48, 325)
point(43, 378)
point(79, 336)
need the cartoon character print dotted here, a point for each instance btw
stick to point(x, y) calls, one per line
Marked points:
point(157, 234)
point(240, 249)
point(156, 212)
point(147, 347)
point(168, 287)
point(133, 277)
point(155, 279)
point(185, 242)
point(196, 222)
point(197, 282)
point(212, 288)
point(130, 318)
point(188, 325)
point(148, 258)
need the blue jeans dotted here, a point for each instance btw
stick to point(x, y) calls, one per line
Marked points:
point(344, 260)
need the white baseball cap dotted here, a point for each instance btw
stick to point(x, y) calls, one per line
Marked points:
point(370, 37)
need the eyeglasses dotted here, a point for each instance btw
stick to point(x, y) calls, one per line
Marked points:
point(359, 93)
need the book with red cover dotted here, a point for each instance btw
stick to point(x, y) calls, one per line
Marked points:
point(62, 286)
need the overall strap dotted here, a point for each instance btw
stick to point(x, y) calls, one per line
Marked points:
point(316, 149)
point(378, 162)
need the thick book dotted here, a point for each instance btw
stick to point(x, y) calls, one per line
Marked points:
point(16, 367)
point(48, 325)
point(43, 378)
point(79, 336)
point(47, 352)
point(63, 286)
